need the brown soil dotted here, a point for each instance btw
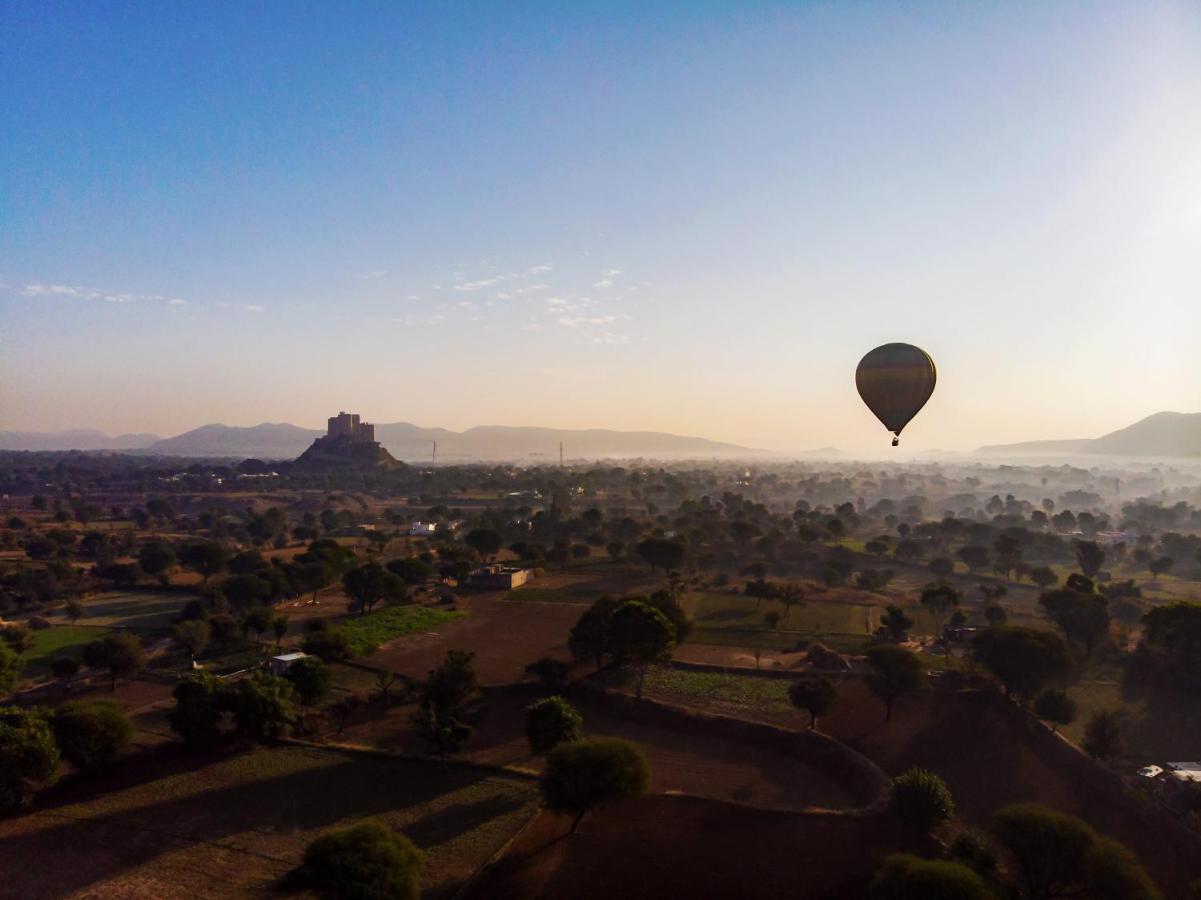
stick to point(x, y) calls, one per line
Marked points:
point(685, 847)
point(504, 635)
point(680, 761)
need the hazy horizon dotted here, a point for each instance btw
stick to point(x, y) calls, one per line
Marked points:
point(686, 219)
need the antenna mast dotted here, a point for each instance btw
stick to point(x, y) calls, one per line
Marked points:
point(434, 460)
point(560, 454)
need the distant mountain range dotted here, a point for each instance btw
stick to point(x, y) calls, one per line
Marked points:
point(74, 439)
point(1168, 434)
point(402, 439)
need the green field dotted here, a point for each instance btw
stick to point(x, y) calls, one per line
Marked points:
point(61, 640)
point(138, 610)
point(234, 826)
point(734, 694)
point(367, 633)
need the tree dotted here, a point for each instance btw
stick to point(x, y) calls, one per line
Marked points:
point(369, 584)
point(1043, 576)
point(310, 680)
point(257, 619)
point(262, 708)
point(29, 756)
point(91, 735)
point(1082, 616)
point(895, 673)
point(120, 653)
point(206, 558)
point(1056, 707)
point(411, 570)
point(192, 636)
point(550, 722)
point(896, 623)
point(330, 644)
point(17, 637)
point(199, 706)
point(640, 635)
point(365, 861)
point(11, 666)
point(1024, 660)
point(552, 673)
point(1048, 847)
point(813, 693)
point(974, 557)
point(941, 566)
point(1160, 565)
point(1174, 630)
point(64, 668)
point(940, 598)
point(903, 876)
point(279, 627)
point(345, 707)
point(661, 553)
point(922, 799)
point(580, 775)
point(589, 638)
point(447, 698)
point(1103, 735)
point(74, 610)
point(484, 541)
point(156, 559)
point(1090, 557)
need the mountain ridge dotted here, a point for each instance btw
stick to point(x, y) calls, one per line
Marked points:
point(1165, 433)
point(282, 440)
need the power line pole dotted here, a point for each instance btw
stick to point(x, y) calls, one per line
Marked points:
point(560, 454)
point(434, 460)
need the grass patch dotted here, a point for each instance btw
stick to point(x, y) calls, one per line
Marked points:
point(57, 641)
point(367, 633)
point(735, 693)
point(138, 610)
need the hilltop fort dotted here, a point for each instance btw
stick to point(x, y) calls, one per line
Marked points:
point(348, 442)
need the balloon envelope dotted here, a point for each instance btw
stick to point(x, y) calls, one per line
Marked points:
point(895, 381)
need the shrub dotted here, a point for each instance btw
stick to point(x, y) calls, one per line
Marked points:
point(92, 734)
point(367, 861)
point(551, 721)
point(922, 799)
point(905, 877)
point(28, 756)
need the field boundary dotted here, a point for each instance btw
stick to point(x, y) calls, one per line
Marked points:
point(868, 785)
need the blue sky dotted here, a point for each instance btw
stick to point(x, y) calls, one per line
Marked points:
point(685, 218)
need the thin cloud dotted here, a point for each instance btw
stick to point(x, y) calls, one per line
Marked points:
point(254, 307)
point(176, 301)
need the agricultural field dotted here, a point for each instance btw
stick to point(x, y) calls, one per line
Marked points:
point(63, 640)
point(368, 632)
point(137, 610)
point(235, 826)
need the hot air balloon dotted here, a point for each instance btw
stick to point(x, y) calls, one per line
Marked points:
point(895, 381)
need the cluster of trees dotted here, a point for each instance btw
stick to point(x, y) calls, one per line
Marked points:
point(1049, 853)
point(34, 741)
point(630, 631)
point(261, 707)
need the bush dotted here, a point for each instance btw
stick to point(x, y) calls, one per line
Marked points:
point(199, 706)
point(905, 877)
point(551, 721)
point(552, 673)
point(922, 799)
point(28, 756)
point(972, 848)
point(582, 774)
point(367, 861)
point(1056, 707)
point(262, 707)
point(91, 735)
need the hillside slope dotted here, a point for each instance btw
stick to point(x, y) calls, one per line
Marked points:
point(1167, 434)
